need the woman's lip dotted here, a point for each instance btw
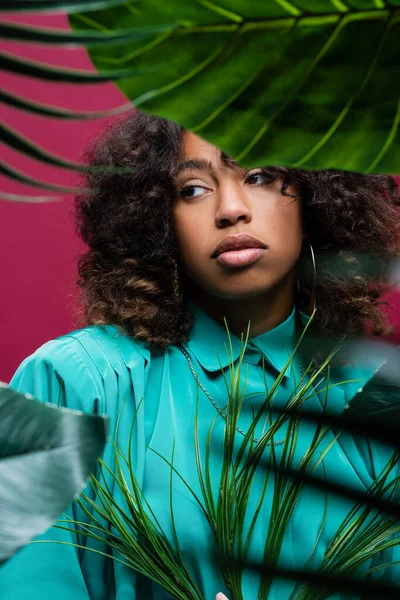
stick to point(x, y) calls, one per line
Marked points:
point(240, 258)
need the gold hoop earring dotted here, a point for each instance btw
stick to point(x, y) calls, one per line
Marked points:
point(313, 297)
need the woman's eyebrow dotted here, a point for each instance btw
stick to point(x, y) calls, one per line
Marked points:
point(206, 165)
point(197, 163)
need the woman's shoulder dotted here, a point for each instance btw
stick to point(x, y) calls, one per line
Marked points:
point(95, 344)
point(83, 362)
point(106, 341)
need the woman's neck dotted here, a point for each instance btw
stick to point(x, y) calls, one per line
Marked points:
point(265, 311)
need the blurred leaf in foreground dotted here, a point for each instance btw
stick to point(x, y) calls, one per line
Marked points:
point(46, 455)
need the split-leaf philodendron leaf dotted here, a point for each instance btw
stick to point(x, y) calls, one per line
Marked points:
point(46, 455)
point(309, 83)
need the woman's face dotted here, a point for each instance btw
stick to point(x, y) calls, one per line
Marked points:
point(216, 201)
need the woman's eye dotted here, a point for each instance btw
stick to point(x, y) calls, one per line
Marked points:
point(192, 191)
point(257, 179)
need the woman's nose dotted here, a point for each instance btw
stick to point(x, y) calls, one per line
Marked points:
point(232, 206)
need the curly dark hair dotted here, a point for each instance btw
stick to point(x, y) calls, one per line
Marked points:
point(131, 276)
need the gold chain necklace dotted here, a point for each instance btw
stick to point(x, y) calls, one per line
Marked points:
point(201, 386)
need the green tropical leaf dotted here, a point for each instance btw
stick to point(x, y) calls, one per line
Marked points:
point(327, 583)
point(301, 477)
point(28, 199)
point(46, 455)
point(48, 35)
point(14, 173)
point(20, 143)
point(34, 68)
point(69, 6)
point(46, 110)
point(308, 84)
point(304, 84)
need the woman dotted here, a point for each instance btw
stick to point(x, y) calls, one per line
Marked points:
point(181, 244)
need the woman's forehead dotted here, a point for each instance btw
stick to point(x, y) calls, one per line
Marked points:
point(195, 149)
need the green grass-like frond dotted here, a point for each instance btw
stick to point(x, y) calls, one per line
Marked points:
point(137, 539)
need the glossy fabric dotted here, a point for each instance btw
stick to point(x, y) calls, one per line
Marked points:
point(101, 368)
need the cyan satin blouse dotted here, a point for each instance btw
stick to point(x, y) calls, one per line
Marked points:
point(101, 368)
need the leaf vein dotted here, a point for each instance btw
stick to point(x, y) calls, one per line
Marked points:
point(350, 103)
point(184, 79)
point(221, 10)
point(294, 90)
point(289, 7)
point(387, 144)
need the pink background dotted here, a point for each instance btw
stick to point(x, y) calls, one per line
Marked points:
point(38, 249)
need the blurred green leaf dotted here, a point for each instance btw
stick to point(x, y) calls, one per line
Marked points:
point(57, 5)
point(34, 68)
point(20, 143)
point(46, 110)
point(14, 173)
point(46, 455)
point(325, 584)
point(374, 411)
point(48, 35)
point(26, 198)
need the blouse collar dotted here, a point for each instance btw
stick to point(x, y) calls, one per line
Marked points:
point(209, 342)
